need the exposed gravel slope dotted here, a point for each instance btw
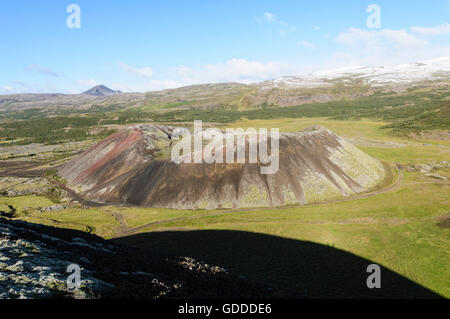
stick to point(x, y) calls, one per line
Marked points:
point(134, 167)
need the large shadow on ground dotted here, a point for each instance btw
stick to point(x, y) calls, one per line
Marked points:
point(312, 270)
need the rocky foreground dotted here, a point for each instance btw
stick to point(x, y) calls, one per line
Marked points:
point(134, 167)
point(34, 259)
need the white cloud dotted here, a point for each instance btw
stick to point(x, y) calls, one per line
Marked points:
point(376, 38)
point(145, 72)
point(88, 83)
point(308, 45)
point(24, 85)
point(288, 29)
point(284, 27)
point(316, 28)
point(385, 46)
point(42, 70)
point(443, 29)
point(19, 87)
point(270, 17)
point(6, 89)
point(152, 85)
point(234, 70)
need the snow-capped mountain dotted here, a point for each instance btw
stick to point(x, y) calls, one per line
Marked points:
point(436, 69)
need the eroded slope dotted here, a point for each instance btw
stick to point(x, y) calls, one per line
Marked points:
point(134, 167)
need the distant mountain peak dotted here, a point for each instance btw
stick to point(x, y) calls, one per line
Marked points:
point(101, 90)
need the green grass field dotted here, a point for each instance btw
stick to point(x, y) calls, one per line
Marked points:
point(398, 229)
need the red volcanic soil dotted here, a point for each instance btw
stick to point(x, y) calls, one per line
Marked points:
point(120, 142)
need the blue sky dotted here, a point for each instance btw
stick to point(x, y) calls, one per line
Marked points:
point(150, 45)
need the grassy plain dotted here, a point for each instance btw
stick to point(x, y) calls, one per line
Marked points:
point(398, 229)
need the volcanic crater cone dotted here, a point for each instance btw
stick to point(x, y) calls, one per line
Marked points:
point(134, 167)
